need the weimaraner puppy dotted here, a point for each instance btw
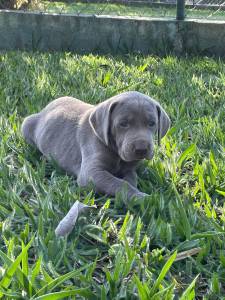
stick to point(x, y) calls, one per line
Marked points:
point(101, 144)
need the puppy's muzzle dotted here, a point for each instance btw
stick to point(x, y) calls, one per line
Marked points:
point(141, 149)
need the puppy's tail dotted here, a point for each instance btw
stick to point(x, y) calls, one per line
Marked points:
point(28, 128)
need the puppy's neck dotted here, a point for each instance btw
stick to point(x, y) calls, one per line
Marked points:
point(112, 145)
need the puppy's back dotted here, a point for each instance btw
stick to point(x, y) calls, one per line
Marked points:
point(72, 107)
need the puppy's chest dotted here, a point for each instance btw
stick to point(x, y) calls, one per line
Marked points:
point(115, 166)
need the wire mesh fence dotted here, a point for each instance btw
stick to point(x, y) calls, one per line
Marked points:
point(180, 9)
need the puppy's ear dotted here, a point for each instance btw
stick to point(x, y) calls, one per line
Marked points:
point(100, 120)
point(163, 122)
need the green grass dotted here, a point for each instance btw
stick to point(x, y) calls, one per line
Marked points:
point(117, 251)
point(123, 10)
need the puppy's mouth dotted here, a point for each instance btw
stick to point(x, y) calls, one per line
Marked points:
point(145, 156)
point(130, 156)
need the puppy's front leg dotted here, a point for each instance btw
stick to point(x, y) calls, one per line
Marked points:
point(106, 183)
point(128, 172)
point(131, 177)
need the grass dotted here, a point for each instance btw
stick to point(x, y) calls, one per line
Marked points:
point(123, 10)
point(119, 251)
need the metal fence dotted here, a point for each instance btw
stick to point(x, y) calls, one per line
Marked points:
point(179, 9)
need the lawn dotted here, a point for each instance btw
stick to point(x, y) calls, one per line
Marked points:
point(123, 10)
point(170, 244)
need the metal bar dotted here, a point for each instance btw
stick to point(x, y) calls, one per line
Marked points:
point(180, 9)
point(198, 4)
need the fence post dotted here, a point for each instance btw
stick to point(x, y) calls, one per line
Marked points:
point(180, 9)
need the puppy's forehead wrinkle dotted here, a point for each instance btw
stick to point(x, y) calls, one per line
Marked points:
point(135, 108)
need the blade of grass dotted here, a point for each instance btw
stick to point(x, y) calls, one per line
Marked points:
point(163, 273)
point(59, 280)
point(189, 293)
point(21, 277)
point(184, 218)
point(7, 278)
point(143, 290)
point(188, 153)
point(86, 293)
point(36, 270)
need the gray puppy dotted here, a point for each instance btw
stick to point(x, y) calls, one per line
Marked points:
point(101, 144)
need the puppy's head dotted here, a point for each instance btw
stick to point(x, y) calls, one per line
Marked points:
point(128, 123)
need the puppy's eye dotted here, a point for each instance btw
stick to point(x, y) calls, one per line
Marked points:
point(124, 123)
point(151, 123)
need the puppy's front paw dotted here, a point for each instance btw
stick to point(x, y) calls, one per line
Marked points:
point(141, 195)
point(137, 200)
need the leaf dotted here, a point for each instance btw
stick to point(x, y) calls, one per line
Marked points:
point(188, 153)
point(67, 223)
point(118, 266)
point(103, 293)
point(36, 269)
point(206, 234)
point(21, 277)
point(96, 237)
point(163, 272)
point(106, 78)
point(215, 285)
point(86, 293)
point(137, 232)
point(212, 161)
point(143, 290)
point(57, 281)
point(90, 270)
point(122, 232)
point(183, 215)
point(189, 293)
point(12, 295)
point(47, 277)
point(188, 253)
point(161, 293)
point(221, 192)
point(7, 277)
point(24, 261)
point(144, 242)
point(143, 67)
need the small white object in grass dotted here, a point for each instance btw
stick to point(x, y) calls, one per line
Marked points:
point(67, 223)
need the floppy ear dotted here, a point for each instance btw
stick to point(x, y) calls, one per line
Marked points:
point(100, 120)
point(163, 123)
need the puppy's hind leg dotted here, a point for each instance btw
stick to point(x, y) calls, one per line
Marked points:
point(28, 128)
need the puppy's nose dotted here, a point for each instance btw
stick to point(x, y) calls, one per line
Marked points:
point(141, 148)
point(141, 152)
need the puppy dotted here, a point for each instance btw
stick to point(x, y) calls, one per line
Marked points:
point(101, 144)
